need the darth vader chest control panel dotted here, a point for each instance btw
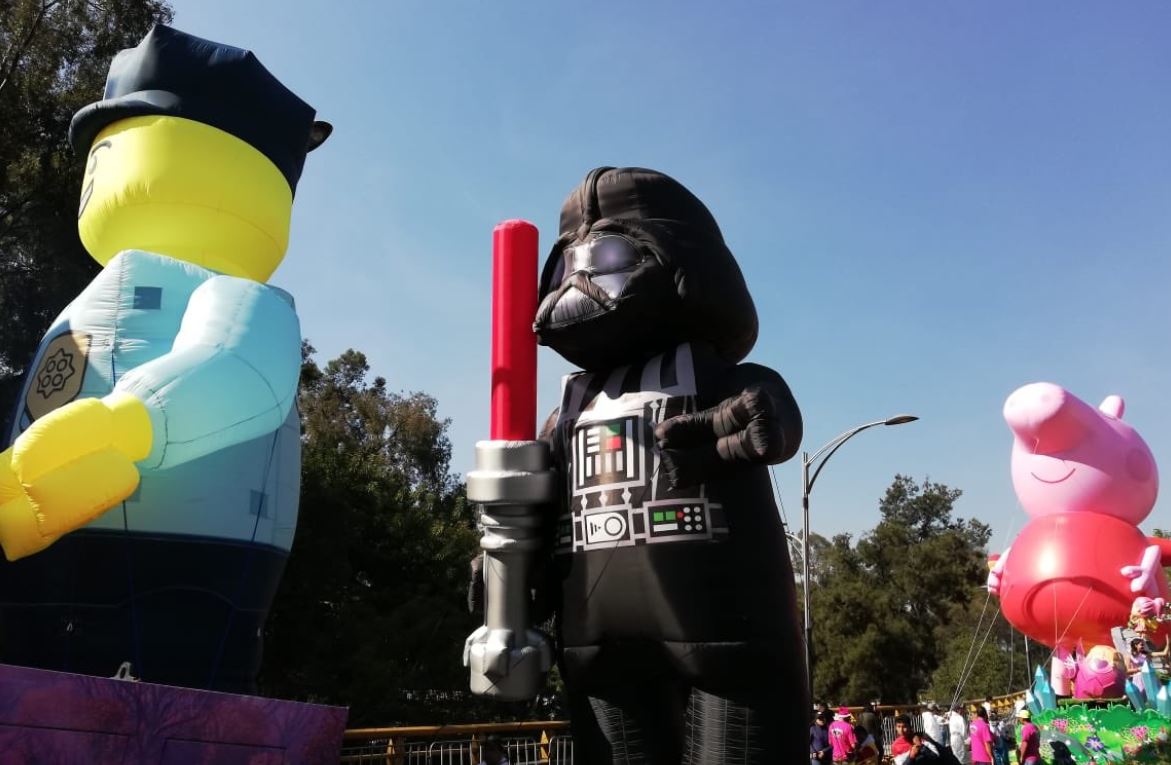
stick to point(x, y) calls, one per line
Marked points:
point(604, 442)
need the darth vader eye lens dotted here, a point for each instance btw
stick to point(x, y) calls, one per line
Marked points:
point(613, 253)
point(606, 254)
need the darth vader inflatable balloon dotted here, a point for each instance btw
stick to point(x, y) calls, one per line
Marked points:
point(677, 626)
point(159, 415)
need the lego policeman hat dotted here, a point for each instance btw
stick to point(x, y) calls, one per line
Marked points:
point(663, 216)
point(174, 74)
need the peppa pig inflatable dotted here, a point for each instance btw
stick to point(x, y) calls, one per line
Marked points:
point(1086, 478)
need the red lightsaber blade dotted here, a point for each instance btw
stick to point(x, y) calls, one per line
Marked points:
point(514, 344)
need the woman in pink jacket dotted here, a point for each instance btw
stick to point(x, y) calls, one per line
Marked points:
point(841, 736)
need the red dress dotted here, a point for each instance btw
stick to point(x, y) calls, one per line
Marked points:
point(1063, 578)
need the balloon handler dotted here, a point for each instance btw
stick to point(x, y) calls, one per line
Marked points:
point(159, 415)
point(665, 558)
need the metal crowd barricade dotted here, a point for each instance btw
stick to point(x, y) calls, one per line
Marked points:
point(527, 743)
point(537, 742)
point(888, 732)
point(561, 749)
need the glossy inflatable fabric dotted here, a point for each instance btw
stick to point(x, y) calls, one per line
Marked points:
point(677, 617)
point(1087, 479)
point(159, 415)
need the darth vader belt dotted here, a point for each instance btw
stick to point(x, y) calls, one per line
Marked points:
point(656, 522)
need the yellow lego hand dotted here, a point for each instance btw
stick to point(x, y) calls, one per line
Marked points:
point(19, 533)
point(68, 468)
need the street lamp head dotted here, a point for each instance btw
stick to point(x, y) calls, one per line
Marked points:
point(899, 419)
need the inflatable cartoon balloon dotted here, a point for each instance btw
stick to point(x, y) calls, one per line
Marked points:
point(677, 615)
point(1087, 479)
point(1149, 618)
point(159, 414)
point(1100, 673)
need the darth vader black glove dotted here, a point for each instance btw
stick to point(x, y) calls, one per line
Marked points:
point(757, 426)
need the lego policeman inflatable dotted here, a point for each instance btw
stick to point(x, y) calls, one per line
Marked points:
point(676, 610)
point(159, 417)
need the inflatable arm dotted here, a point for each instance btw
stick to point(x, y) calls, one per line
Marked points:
point(758, 423)
point(1164, 546)
point(996, 569)
point(1145, 576)
point(231, 375)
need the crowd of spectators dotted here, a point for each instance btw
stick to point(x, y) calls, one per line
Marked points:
point(927, 737)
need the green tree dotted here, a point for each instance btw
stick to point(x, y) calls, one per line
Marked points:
point(818, 547)
point(53, 60)
point(372, 610)
point(1163, 534)
point(982, 655)
point(879, 605)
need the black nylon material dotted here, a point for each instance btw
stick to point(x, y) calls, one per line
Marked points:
point(717, 615)
point(679, 640)
point(708, 299)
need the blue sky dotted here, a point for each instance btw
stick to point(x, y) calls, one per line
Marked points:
point(933, 202)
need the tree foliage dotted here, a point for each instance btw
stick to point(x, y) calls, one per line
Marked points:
point(372, 610)
point(53, 60)
point(881, 605)
point(982, 655)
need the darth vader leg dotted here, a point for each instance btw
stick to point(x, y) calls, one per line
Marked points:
point(637, 725)
point(722, 730)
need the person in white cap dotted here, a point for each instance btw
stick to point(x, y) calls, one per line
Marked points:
point(841, 736)
point(1029, 750)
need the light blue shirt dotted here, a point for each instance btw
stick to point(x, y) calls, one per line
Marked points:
point(216, 360)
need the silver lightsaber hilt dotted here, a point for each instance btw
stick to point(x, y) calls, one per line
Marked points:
point(508, 659)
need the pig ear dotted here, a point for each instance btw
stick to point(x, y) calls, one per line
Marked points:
point(1113, 406)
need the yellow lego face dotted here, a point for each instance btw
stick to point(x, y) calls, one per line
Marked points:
point(186, 190)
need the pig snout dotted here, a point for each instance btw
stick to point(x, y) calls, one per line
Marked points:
point(1045, 418)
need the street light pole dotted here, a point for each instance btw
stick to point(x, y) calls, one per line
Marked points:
point(805, 572)
point(806, 486)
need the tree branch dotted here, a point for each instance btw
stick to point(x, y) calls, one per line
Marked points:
point(10, 68)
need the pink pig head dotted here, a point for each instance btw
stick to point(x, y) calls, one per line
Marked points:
point(1068, 456)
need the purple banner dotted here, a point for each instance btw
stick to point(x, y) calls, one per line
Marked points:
point(65, 719)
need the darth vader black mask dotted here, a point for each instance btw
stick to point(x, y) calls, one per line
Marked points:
point(604, 311)
point(640, 266)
